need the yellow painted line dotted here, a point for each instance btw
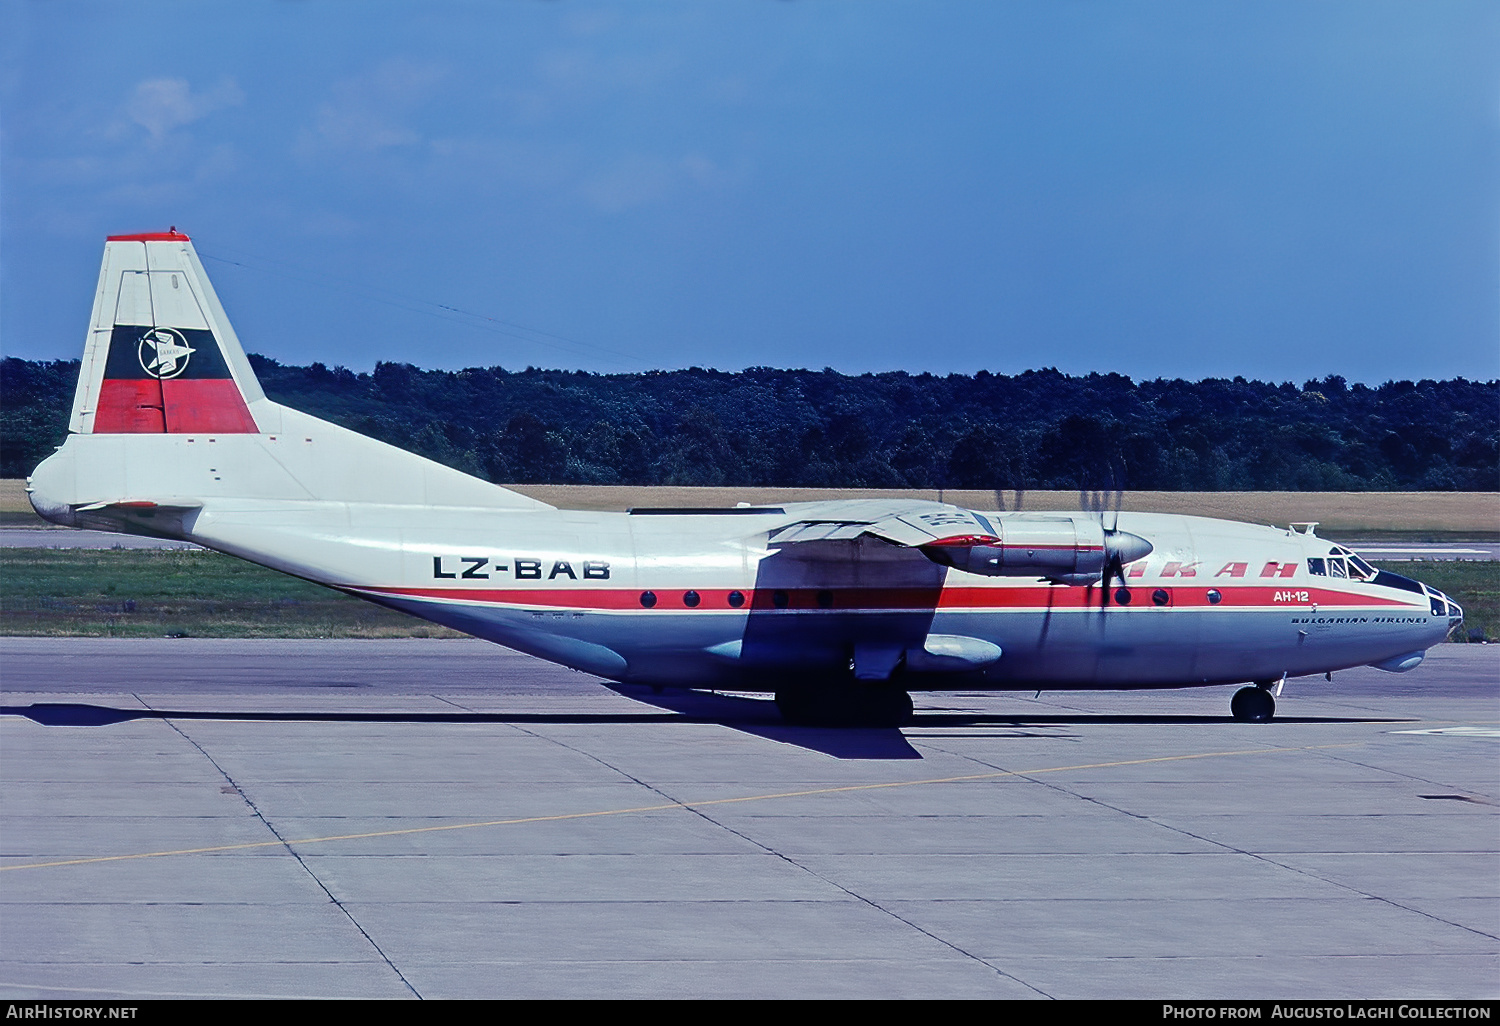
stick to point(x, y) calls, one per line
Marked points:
point(673, 805)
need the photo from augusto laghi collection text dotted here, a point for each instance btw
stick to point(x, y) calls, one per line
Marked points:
point(1327, 1010)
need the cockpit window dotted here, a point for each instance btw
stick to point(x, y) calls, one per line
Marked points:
point(1341, 563)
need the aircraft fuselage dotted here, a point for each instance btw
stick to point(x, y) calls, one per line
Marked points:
point(706, 600)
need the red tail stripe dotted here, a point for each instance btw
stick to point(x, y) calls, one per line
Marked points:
point(173, 406)
point(130, 407)
point(199, 405)
point(149, 237)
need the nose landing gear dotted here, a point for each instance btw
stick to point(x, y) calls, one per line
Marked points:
point(1253, 704)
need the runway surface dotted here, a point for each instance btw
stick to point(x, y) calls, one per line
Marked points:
point(64, 538)
point(446, 819)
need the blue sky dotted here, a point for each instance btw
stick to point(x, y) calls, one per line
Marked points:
point(1194, 189)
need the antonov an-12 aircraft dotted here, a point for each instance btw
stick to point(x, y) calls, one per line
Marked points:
point(840, 608)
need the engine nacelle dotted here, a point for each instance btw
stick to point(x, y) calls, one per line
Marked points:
point(1072, 550)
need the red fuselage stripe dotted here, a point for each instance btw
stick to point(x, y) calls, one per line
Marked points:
point(884, 599)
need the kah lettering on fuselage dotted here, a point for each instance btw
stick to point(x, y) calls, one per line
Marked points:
point(841, 608)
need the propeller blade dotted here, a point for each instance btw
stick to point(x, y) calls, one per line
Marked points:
point(1120, 547)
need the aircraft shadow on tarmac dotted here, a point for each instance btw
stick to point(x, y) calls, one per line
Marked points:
point(750, 715)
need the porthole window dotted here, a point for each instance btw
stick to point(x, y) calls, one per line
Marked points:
point(1122, 596)
point(780, 599)
point(648, 599)
point(1214, 597)
point(690, 598)
point(825, 599)
point(736, 599)
point(1160, 596)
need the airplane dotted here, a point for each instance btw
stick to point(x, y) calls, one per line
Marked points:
point(839, 608)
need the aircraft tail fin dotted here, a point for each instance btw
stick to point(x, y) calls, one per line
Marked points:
point(168, 413)
point(161, 357)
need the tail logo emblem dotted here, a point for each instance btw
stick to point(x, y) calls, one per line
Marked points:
point(164, 353)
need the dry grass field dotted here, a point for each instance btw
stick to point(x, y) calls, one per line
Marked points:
point(1475, 514)
point(15, 511)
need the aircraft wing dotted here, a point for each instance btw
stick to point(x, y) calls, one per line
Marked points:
point(911, 524)
point(1073, 549)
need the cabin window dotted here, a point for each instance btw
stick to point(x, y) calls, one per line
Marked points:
point(648, 599)
point(1317, 567)
point(691, 599)
point(780, 599)
point(1160, 597)
point(1214, 596)
point(736, 599)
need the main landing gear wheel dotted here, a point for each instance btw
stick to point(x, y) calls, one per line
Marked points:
point(845, 705)
point(1252, 705)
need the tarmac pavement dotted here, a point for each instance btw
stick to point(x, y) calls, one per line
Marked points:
point(448, 819)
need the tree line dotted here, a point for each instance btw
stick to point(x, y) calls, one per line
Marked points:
point(769, 427)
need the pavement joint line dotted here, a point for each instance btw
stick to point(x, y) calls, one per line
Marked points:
point(301, 862)
point(1261, 856)
point(789, 860)
point(688, 805)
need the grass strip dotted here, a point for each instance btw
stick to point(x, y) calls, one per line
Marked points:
point(1473, 585)
point(133, 593)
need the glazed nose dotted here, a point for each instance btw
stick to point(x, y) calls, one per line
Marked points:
point(1442, 605)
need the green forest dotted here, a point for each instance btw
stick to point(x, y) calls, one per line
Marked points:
point(767, 427)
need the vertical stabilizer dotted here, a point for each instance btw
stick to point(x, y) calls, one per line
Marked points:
point(168, 414)
point(161, 357)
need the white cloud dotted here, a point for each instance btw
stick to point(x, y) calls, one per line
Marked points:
point(160, 105)
point(578, 81)
point(368, 112)
point(639, 179)
point(629, 181)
